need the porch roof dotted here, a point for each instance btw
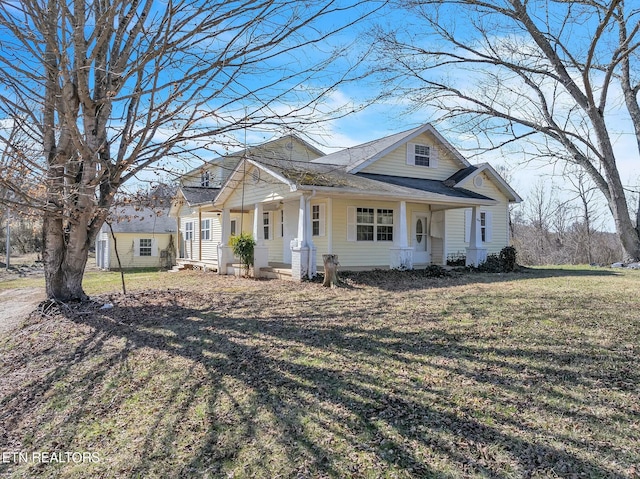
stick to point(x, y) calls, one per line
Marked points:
point(332, 178)
point(197, 195)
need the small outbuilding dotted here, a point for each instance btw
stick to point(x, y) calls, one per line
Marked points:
point(143, 237)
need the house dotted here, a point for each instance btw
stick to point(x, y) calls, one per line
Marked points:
point(404, 201)
point(145, 237)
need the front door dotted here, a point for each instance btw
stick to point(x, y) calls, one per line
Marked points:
point(420, 239)
point(289, 219)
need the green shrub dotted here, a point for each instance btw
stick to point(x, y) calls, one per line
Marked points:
point(243, 245)
point(508, 256)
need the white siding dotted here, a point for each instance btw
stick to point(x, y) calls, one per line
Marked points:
point(395, 163)
point(209, 248)
point(358, 253)
point(266, 189)
point(128, 250)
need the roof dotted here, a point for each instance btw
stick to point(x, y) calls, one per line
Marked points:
point(431, 186)
point(311, 176)
point(460, 175)
point(197, 195)
point(358, 157)
point(141, 219)
point(466, 175)
point(251, 150)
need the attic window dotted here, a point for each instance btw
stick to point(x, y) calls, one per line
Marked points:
point(204, 179)
point(421, 155)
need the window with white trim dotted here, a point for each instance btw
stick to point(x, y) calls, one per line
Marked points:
point(374, 224)
point(317, 219)
point(205, 229)
point(484, 226)
point(281, 223)
point(421, 155)
point(384, 225)
point(144, 247)
point(266, 224)
point(188, 231)
point(204, 179)
point(234, 224)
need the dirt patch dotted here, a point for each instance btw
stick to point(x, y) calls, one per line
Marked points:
point(15, 306)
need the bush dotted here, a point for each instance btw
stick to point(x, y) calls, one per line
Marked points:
point(491, 265)
point(242, 246)
point(456, 259)
point(508, 256)
point(435, 271)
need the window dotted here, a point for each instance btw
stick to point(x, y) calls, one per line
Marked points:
point(204, 179)
point(145, 247)
point(205, 229)
point(365, 224)
point(188, 231)
point(421, 155)
point(233, 227)
point(374, 225)
point(315, 220)
point(281, 223)
point(384, 225)
point(483, 226)
point(266, 224)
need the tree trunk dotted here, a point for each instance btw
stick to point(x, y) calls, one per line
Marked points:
point(330, 270)
point(65, 256)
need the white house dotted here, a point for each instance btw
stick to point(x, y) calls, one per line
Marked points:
point(404, 201)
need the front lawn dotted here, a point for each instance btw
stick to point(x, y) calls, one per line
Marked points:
point(533, 374)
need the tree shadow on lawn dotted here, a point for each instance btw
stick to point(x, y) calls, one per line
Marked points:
point(228, 392)
point(395, 280)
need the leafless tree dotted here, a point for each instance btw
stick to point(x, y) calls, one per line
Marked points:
point(109, 88)
point(551, 76)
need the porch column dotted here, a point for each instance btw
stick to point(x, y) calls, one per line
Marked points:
point(401, 253)
point(300, 245)
point(260, 251)
point(475, 253)
point(312, 266)
point(258, 224)
point(329, 225)
point(225, 252)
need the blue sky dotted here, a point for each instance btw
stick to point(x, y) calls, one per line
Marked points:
point(390, 115)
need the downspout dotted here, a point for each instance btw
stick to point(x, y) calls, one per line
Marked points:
point(309, 230)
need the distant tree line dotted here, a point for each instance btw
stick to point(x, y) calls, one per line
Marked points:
point(546, 229)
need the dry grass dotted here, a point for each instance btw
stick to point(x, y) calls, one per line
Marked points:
point(522, 375)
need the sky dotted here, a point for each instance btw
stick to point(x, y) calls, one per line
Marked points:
point(391, 114)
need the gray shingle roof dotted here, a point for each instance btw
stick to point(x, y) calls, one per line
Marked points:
point(431, 186)
point(333, 176)
point(351, 157)
point(460, 175)
point(197, 195)
point(137, 219)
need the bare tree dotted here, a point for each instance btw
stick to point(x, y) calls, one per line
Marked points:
point(551, 76)
point(109, 88)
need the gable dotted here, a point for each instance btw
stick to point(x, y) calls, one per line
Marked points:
point(287, 148)
point(484, 185)
point(442, 160)
point(259, 186)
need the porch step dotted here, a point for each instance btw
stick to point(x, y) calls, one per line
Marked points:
point(276, 273)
